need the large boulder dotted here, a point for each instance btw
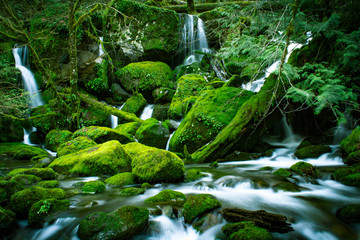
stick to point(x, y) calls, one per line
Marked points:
point(75, 145)
point(134, 104)
point(198, 205)
point(104, 159)
point(313, 151)
point(349, 175)
point(213, 110)
point(154, 165)
point(145, 77)
point(57, 137)
point(103, 134)
point(246, 230)
point(130, 127)
point(11, 130)
point(124, 223)
point(153, 133)
point(21, 151)
point(121, 179)
point(350, 147)
point(22, 201)
point(43, 173)
point(93, 187)
point(167, 196)
point(154, 34)
point(188, 87)
point(304, 169)
point(118, 93)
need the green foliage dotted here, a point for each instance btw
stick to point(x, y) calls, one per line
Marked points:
point(100, 83)
point(45, 207)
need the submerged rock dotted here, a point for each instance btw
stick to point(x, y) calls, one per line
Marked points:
point(313, 151)
point(57, 137)
point(75, 145)
point(103, 134)
point(104, 159)
point(153, 133)
point(167, 196)
point(198, 205)
point(124, 223)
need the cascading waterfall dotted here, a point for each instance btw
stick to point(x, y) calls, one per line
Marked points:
point(101, 51)
point(21, 56)
point(114, 119)
point(147, 112)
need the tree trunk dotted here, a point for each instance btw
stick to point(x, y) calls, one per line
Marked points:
point(191, 6)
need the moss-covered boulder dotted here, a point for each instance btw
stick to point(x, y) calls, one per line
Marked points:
point(93, 187)
point(11, 130)
point(7, 219)
point(21, 201)
point(131, 191)
point(43, 173)
point(21, 151)
point(48, 184)
point(40, 210)
point(154, 165)
point(8, 188)
point(286, 187)
point(92, 116)
point(213, 110)
point(145, 77)
point(198, 205)
point(193, 175)
point(48, 119)
point(25, 179)
point(153, 133)
point(167, 196)
point(129, 128)
point(75, 145)
point(246, 230)
point(349, 213)
point(350, 147)
point(103, 134)
point(135, 104)
point(104, 159)
point(121, 224)
point(188, 86)
point(121, 179)
point(349, 175)
point(57, 137)
point(304, 169)
point(281, 172)
point(163, 95)
point(161, 112)
point(313, 151)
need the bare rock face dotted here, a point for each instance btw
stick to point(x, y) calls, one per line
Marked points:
point(270, 221)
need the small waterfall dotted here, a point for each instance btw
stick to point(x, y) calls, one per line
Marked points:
point(101, 51)
point(114, 119)
point(167, 148)
point(147, 113)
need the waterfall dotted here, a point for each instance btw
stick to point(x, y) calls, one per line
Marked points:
point(114, 119)
point(101, 51)
point(147, 112)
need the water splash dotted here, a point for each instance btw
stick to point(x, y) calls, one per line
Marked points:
point(114, 119)
point(147, 112)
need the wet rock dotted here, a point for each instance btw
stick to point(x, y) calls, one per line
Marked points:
point(118, 93)
point(93, 187)
point(153, 133)
point(21, 151)
point(313, 151)
point(245, 230)
point(129, 128)
point(286, 187)
point(43, 208)
point(193, 175)
point(121, 179)
point(198, 205)
point(281, 172)
point(135, 104)
point(207, 221)
point(304, 169)
point(349, 213)
point(160, 112)
point(270, 221)
point(348, 175)
point(103, 134)
point(163, 95)
point(350, 147)
point(131, 191)
point(57, 137)
point(7, 220)
point(43, 173)
point(75, 145)
point(167, 196)
point(121, 224)
point(25, 180)
point(48, 184)
point(11, 130)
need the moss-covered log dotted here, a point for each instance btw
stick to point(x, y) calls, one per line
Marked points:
point(203, 7)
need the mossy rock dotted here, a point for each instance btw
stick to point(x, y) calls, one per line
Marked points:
point(304, 169)
point(153, 133)
point(135, 104)
point(121, 179)
point(8, 188)
point(48, 184)
point(351, 143)
point(146, 185)
point(11, 130)
point(25, 179)
point(40, 210)
point(43, 173)
point(161, 112)
point(213, 110)
point(281, 172)
point(187, 86)
point(21, 201)
point(353, 158)
point(144, 77)
point(236, 81)
point(349, 213)
point(104, 159)
point(196, 206)
point(163, 95)
point(304, 143)
point(193, 175)
point(103, 134)
point(154, 165)
point(349, 175)
point(266, 168)
point(129, 128)
point(75, 145)
point(57, 137)
point(246, 230)
point(48, 119)
point(167, 196)
point(7, 219)
point(93, 187)
point(21, 151)
point(92, 116)
point(313, 151)
point(286, 187)
point(131, 191)
point(121, 224)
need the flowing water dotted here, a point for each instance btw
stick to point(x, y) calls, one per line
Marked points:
point(114, 119)
point(147, 112)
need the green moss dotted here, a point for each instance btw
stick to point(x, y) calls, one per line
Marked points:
point(121, 179)
point(21, 151)
point(251, 233)
point(313, 151)
point(93, 116)
point(281, 172)
point(187, 86)
point(231, 228)
point(43, 208)
point(11, 130)
point(154, 165)
point(131, 191)
point(146, 185)
point(349, 214)
point(21, 201)
point(304, 143)
point(267, 168)
point(47, 121)
point(144, 77)
point(103, 134)
point(43, 173)
point(304, 169)
point(351, 143)
point(167, 196)
point(8, 188)
point(192, 175)
point(213, 110)
point(135, 104)
point(129, 128)
point(25, 179)
point(198, 205)
point(48, 184)
point(93, 187)
point(75, 145)
point(153, 133)
point(7, 218)
point(286, 187)
point(349, 175)
point(353, 158)
point(57, 137)
point(121, 224)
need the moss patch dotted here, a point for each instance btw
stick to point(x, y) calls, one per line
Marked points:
point(129, 128)
point(349, 214)
point(25, 179)
point(93, 187)
point(57, 137)
point(198, 205)
point(135, 104)
point(281, 172)
point(43, 173)
point(167, 196)
point(103, 134)
point(75, 145)
point(7, 218)
point(245, 230)
point(48, 184)
point(349, 175)
point(121, 179)
point(313, 151)
point(193, 175)
point(153, 133)
point(131, 191)
point(304, 169)
point(21, 151)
